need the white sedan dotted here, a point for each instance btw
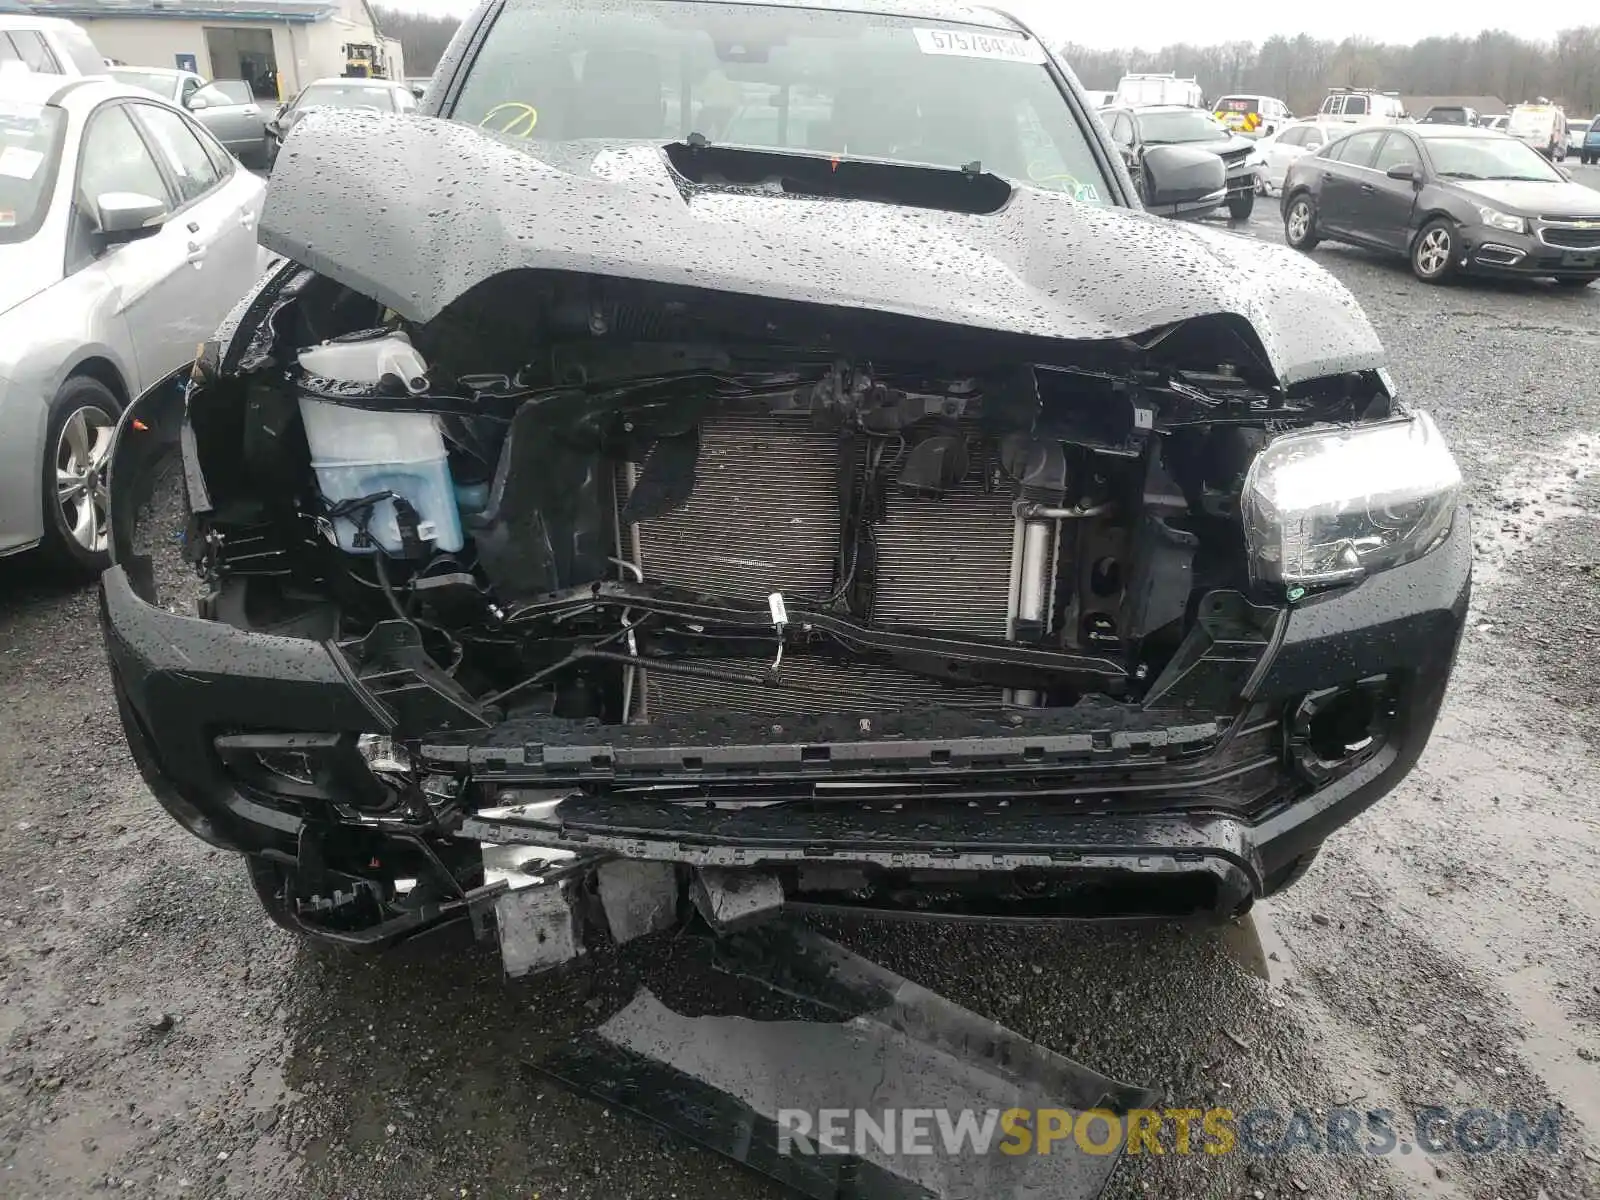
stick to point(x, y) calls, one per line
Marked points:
point(1291, 143)
point(126, 234)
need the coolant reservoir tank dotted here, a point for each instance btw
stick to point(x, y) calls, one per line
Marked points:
point(363, 454)
point(367, 360)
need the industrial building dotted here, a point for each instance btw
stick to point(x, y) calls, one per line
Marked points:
point(278, 45)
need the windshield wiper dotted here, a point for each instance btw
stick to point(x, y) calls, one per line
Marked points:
point(1459, 175)
point(1524, 178)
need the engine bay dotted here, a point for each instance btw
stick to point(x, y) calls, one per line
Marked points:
point(616, 502)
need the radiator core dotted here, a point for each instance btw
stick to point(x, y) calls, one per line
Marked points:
point(764, 517)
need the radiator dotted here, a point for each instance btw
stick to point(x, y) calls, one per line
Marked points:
point(764, 517)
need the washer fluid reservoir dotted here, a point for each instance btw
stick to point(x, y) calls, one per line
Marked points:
point(357, 453)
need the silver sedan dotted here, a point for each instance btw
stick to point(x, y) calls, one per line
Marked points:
point(227, 107)
point(126, 234)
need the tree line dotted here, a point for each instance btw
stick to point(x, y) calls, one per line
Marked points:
point(1301, 69)
point(1298, 70)
point(422, 37)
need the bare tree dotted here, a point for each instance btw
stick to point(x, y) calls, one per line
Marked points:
point(422, 38)
point(1300, 69)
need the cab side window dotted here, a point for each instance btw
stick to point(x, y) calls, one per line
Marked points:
point(30, 48)
point(184, 155)
point(1355, 106)
point(116, 159)
point(1122, 130)
point(1358, 151)
point(1397, 150)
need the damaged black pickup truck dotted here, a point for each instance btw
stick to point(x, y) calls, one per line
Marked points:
point(766, 455)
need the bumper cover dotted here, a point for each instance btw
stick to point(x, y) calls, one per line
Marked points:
point(1488, 251)
point(181, 682)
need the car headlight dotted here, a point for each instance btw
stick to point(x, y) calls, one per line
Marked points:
point(1331, 505)
point(1256, 159)
point(1495, 219)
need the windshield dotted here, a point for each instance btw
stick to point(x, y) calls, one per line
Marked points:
point(827, 82)
point(1190, 125)
point(159, 82)
point(1489, 158)
point(30, 145)
point(346, 95)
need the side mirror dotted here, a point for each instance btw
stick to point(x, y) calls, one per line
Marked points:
point(1402, 171)
point(1182, 179)
point(419, 91)
point(128, 216)
point(196, 102)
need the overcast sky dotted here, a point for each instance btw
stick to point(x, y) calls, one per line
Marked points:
point(1156, 23)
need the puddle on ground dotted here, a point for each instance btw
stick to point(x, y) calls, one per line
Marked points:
point(1542, 490)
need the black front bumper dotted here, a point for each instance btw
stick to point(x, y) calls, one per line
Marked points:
point(182, 682)
point(1497, 252)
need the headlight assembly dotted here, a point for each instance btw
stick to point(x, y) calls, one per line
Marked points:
point(1495, 219)
point(1332, 505)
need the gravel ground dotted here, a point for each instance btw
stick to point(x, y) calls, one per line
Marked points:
point(162, 1039)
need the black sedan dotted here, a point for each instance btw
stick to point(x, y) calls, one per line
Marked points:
point(1452, 199)
point(1137, 129)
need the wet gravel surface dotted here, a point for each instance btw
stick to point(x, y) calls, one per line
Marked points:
point(161, 1038)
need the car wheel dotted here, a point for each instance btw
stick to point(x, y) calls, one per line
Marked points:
point(77, 536)
point(1300, 223)
point(1433, 254)
point(1240, 207)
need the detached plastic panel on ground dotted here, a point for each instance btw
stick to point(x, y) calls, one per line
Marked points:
point(877, 1043)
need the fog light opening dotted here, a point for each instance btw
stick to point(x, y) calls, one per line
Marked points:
point(1343, 727)
point(1337, 728)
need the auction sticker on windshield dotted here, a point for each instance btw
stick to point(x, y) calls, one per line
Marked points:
point(19, 162)
point(979, 45)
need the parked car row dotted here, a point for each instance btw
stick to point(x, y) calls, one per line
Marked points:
point(227, 107)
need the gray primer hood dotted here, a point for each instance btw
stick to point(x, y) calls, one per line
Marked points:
point(413, 211)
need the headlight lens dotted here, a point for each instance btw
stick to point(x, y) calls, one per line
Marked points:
point(1495, 219)
point(1332, 505)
